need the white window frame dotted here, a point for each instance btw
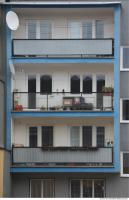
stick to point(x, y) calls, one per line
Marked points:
point(42, 186)
point(121, 164)
point(121, 111)
point(37, 26)
point(99, 19)
point(81, 186)
point(121, 59)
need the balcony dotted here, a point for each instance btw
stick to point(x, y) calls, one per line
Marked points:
point(65, 156)
point(63, 48)
point(62, 101)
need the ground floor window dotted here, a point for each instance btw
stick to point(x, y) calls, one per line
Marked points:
point(87, 188)
point(42, 188)
point(125, 164)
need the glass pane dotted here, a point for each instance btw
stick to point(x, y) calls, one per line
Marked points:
point(87, 188)
point(31, 29)
point(125, 57)
point(87, 30)
point(100, 136)
point(100, 85)
point(125, 109)
point(75, 84)
point(45, 30)
point(87, 136)
point(75, 188)
point(33, 136)
point(46, 84)
point(35, 188)
point(75, 136)
point(47, 136)
point(98, 188)
point(74, 30)
point(32, 91)
point(99, 29)
point(48, 188)
point(87, 84)
point(125, 163)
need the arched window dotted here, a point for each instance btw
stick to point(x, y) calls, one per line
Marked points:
point(87, 84)
point(45, 84)
point(75, 84)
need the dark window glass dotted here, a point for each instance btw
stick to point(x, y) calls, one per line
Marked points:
point(32, 91)
point(47, 136)
point(125, 57)
point(125, 109)
point(87, 84)
point(33, 136)
point(100, 85)
point(98, 188)
point(46, 84)
point(36, 188)
point(75, 188)
point(75, 84)
point(100, 136)
point(87, 136)
point(125, 163)
point(87, 188)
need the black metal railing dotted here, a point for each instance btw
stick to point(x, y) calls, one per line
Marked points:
point(95, 156)
point(63, 101)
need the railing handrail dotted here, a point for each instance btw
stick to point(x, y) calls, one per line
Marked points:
point(63, 147)
point(63, 93)
point(65, 39)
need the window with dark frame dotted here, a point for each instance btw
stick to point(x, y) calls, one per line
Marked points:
point(45, 84)
point(125, 113)
point(100, 136)
point(87, 84)
point(87, 136)
point(75, 84)
point(75, 188)
point(32, 136)
point(47, 136)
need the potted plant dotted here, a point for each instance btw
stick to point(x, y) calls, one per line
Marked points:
point(18, 107)
point(108, 91)
point(42, 108)
point(107, 97)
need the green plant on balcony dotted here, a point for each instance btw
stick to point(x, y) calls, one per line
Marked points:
point(42, 108)
point(107, 91)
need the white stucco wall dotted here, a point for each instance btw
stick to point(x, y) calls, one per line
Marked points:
point(61, 74)
point(60, 19)
point(61, 132)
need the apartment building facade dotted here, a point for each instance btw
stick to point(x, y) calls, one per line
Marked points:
point(67, 103)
